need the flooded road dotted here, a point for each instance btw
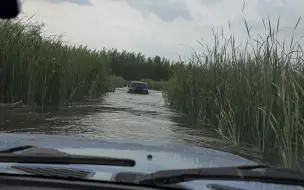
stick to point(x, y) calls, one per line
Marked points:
point(118, 115)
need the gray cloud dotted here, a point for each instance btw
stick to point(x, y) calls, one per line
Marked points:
point(287, 11)
point(78, 2)
point(170, 38)
point(167, 10)
point(266, 9)
point(211, 2)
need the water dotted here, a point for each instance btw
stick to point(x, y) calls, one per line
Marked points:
point(118, 115)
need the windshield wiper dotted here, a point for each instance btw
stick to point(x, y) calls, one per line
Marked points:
point(16, 149)
point(31, 154)
point(258, 173)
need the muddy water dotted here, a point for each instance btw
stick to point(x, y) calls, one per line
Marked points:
point(118, 115)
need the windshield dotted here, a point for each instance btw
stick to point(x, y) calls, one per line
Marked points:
point(178, 83)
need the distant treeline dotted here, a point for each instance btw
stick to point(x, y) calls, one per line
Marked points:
point(132, 66)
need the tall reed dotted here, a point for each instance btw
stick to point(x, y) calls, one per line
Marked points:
point(252, 96)
point(44, 70)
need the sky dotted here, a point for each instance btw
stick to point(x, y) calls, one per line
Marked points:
point(168, 28)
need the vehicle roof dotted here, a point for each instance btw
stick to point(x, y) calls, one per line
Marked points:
point(138, 82)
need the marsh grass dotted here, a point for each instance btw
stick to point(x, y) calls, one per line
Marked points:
point(155, 85)
point(44, 70)
point(251, 96)
point(116, 81)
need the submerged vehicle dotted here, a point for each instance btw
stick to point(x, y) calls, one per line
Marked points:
point(65, 162)
point(138, 87)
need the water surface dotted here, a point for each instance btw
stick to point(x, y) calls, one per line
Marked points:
point(118, 115)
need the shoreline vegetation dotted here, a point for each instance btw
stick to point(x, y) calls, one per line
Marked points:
point(43, 71)
point(40, 70)
point(250, 99)
point(253, 99)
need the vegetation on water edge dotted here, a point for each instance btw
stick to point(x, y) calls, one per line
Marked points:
point(40, 70)
point(155, 85)
point(253, 98)
point(116, 81)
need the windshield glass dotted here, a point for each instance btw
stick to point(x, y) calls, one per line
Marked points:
point(179, 84)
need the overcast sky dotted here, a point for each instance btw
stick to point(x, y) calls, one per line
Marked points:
point(159, 27)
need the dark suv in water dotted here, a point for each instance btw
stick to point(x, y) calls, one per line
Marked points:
point(138, 87)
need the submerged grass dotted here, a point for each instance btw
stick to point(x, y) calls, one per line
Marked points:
point(253, 98)
point(43, 70)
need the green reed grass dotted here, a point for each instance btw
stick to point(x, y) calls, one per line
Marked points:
point(250, 97)
point(44, 70)
point(155, 85)
point(116, 81)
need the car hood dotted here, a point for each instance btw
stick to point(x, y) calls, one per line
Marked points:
point(164, 156)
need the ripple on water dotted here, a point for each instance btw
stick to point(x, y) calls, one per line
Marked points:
point(118, 115)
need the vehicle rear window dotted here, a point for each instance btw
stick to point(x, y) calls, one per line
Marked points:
point(141, 85)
